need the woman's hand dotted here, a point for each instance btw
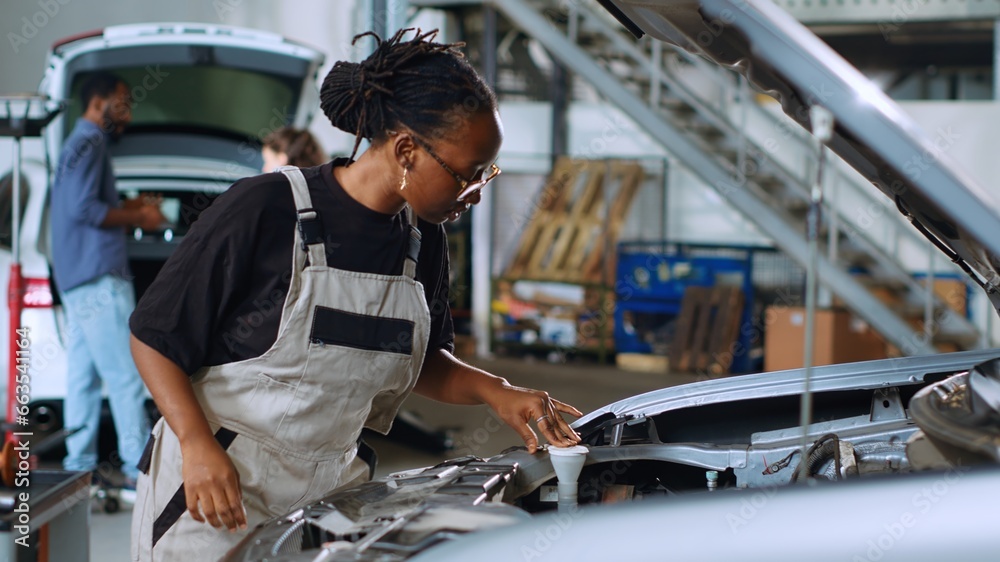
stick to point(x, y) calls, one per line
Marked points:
point(211, 480)
point(446, 379)
point(519, 407)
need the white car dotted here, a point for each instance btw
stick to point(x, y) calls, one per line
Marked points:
point(204, 96)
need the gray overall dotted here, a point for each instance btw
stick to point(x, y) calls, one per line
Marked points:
point(349, 349)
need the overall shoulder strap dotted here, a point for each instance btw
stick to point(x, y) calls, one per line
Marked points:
point(309, 234)
point(413, 245)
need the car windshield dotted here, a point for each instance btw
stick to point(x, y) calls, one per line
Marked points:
point(203, 99)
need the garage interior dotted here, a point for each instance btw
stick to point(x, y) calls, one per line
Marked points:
point(609, 260)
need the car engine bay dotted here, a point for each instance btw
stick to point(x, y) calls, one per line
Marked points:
point(858, 433)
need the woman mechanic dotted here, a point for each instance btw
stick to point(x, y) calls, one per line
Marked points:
point(305, 305)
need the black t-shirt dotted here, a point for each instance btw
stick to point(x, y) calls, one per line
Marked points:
point(218, 299)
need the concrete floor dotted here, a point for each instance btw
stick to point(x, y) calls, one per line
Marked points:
point(584, 385)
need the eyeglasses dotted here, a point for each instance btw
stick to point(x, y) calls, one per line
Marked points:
point(467, 187)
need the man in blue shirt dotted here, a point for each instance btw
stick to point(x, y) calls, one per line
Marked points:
point(90, 266)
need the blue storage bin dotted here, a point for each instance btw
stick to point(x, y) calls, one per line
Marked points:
point(636, 319)
point(650, 283)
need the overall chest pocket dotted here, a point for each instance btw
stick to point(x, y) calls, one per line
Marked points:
point(359, 331)
point(352, 359)
point(333, 401)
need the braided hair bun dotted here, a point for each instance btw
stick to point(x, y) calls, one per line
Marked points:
point(426, 86)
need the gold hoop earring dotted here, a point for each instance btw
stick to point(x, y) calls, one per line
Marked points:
point(402, 185)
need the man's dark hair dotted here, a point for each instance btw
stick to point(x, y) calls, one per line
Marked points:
point(426, 86)
point(98, 85)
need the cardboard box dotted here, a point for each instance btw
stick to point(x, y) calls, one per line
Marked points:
point(918, 327)
point(952, 292)
point(839, 338)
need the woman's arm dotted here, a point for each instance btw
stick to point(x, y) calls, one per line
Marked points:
point(446, 379)
point(210, 478)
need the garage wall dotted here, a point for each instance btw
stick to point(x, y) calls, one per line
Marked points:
point(29, 30)
point(968, 130)
point(31, 27)
point(694, 212)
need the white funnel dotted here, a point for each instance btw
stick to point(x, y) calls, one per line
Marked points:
point(567, 462)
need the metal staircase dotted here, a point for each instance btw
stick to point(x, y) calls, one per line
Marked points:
point(759, 160)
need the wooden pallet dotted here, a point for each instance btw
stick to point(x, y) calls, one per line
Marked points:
point(573, 229)
point(707, 326)
point(551, 202)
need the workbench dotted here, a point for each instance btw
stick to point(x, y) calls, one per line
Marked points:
point(59, 525)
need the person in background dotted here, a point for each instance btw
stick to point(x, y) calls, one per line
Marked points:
point(291, 147)
point(90, 268)
point(305, 305)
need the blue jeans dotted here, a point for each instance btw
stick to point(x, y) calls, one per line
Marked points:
point(98, 350)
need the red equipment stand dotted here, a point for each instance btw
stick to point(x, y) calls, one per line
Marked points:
point(20, 116)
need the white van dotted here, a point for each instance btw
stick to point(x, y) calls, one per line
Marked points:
point(204, 95)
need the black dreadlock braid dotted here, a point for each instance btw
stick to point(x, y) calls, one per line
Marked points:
point(426, 86)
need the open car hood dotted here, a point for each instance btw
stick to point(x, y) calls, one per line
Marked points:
point(782, 58)
point(199, 91)
point(881, 373)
